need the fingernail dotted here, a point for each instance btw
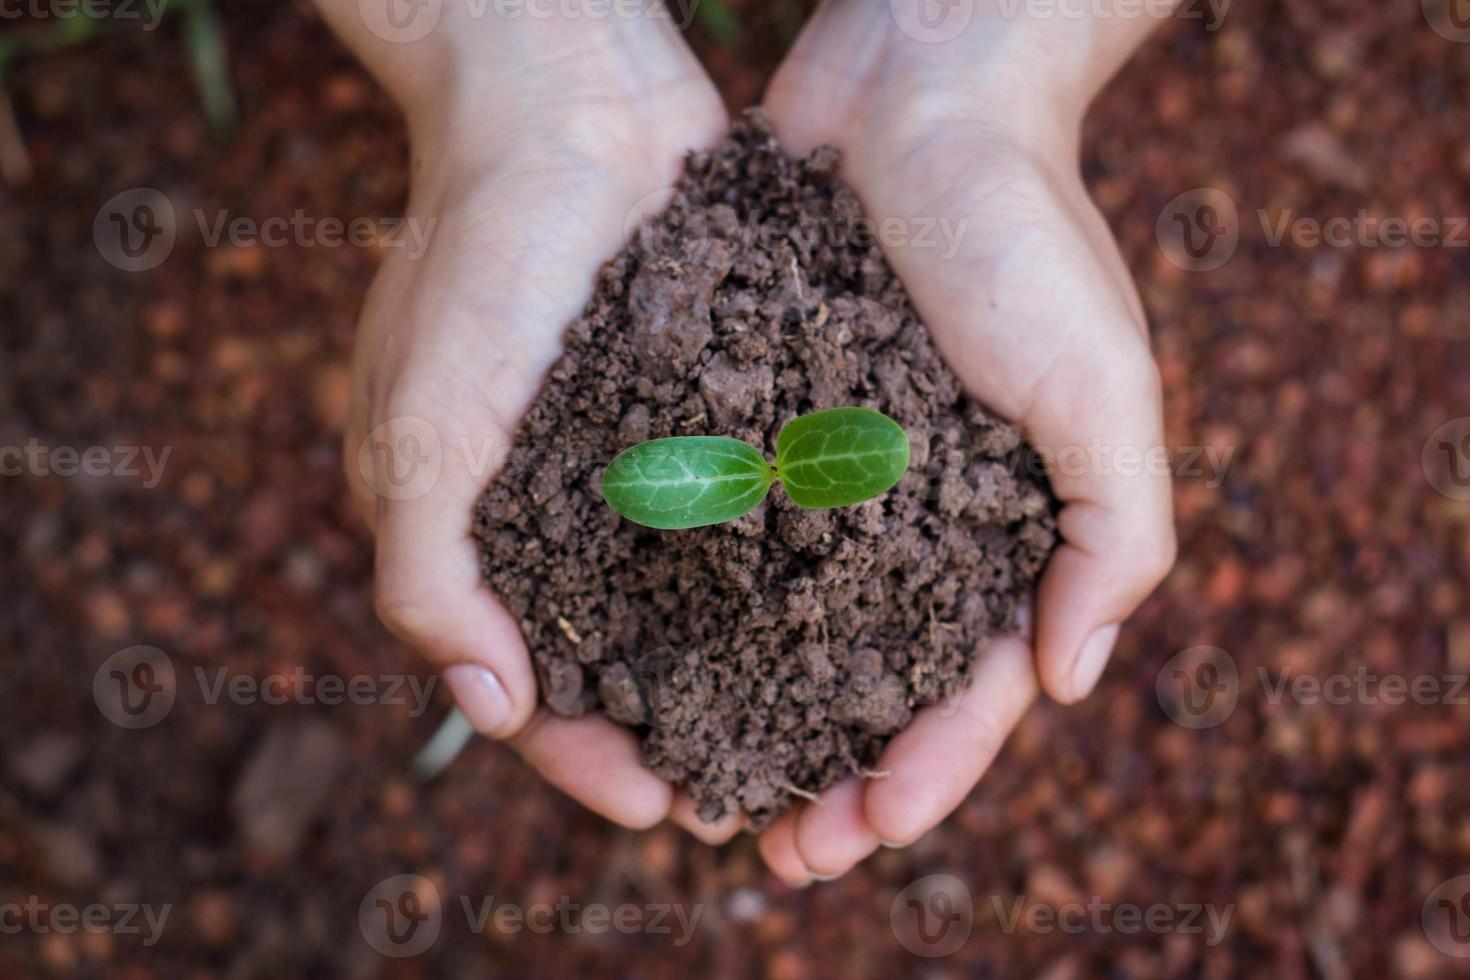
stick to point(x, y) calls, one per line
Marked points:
point(479, 695)
point(817, 877)
point(1092, 659)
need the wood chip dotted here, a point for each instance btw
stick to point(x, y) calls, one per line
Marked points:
point(566, 628)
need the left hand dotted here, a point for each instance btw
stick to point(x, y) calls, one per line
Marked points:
point(1038, 316)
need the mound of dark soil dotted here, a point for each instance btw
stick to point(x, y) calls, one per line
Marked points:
point(779, 652)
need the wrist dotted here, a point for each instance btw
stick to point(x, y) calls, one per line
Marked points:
point(476, 78)
point(1025, 70)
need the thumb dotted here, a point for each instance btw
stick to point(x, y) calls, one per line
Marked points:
point(1100, 431)
point(424, 480)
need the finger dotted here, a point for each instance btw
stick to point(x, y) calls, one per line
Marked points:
point(683, 814)
point(935, 762)
point(1101, 431)
point(428, 590)
point(833, 835)
point(596, 763)
point(777, 846)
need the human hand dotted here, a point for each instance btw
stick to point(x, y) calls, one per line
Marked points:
point(1037, 314)
point(533, 140)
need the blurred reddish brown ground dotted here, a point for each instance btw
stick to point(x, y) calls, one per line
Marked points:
point(1324, 548)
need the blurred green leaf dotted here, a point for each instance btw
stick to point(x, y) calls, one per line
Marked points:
point(719, 20)
point(204, 39)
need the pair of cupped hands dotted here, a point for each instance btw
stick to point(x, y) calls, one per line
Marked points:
point(532, 143)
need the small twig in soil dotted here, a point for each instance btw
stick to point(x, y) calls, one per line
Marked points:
point(796, 276)
point(442, 748)
point(566, 627)
point(804, 794)
point(935, 626)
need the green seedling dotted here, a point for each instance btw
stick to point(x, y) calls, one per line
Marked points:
point(826, 459)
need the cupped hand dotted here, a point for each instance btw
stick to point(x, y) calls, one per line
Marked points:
point(1029, 301)
point(523, 186)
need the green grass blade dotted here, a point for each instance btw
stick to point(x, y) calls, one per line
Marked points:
point(686, 481)
point(841, 456)
point(719, 20)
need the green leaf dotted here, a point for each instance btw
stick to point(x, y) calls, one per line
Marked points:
point(686, 481)
point(841, 456)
